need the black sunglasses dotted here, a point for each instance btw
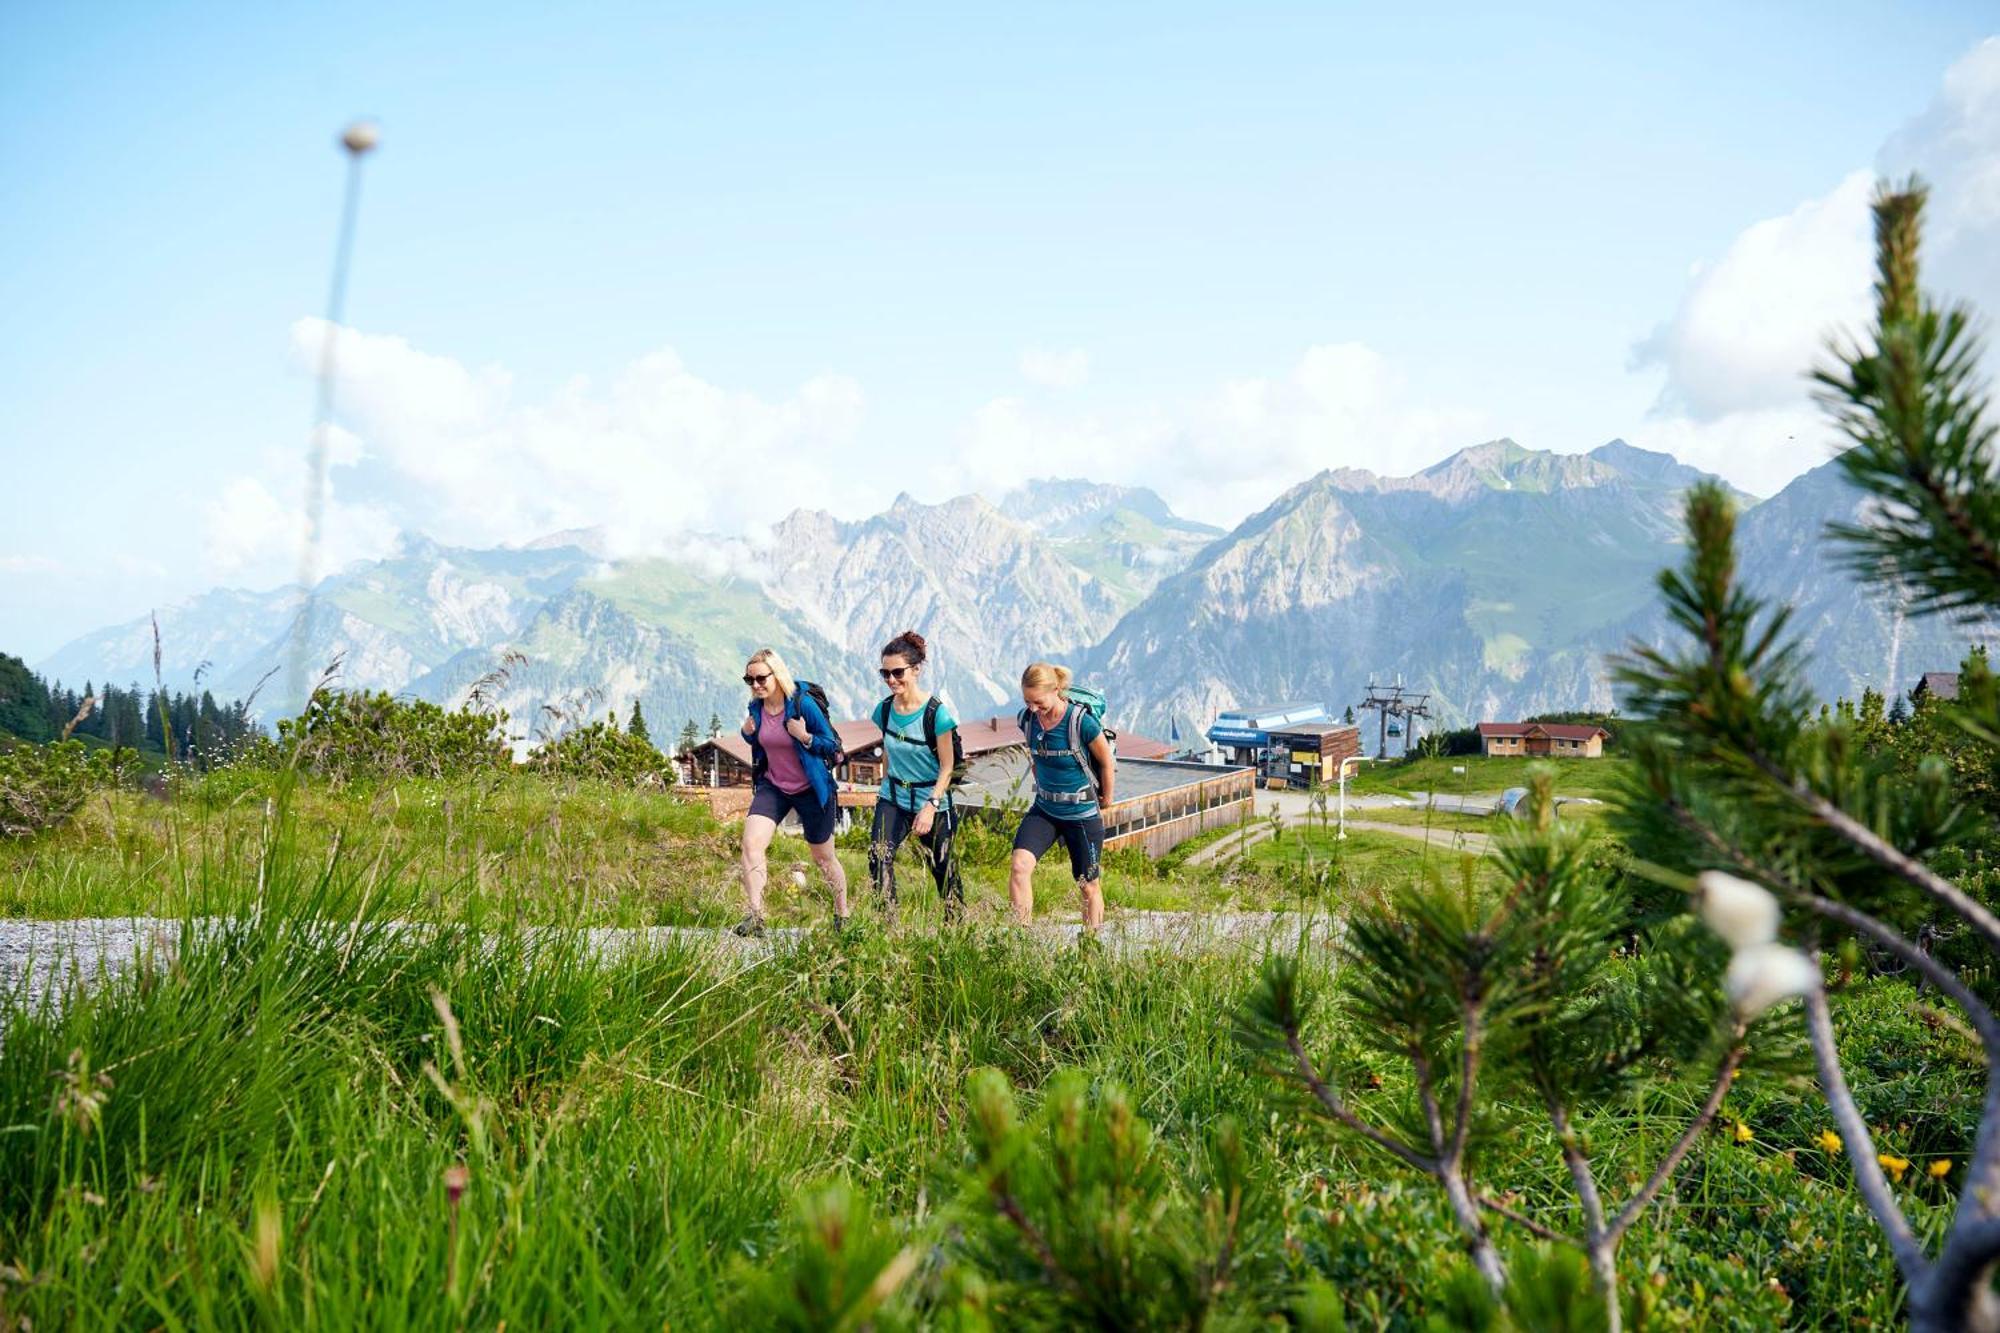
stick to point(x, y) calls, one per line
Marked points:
point(893, 673)
point(757, 680)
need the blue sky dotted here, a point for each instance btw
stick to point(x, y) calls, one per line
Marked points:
point(667, 270)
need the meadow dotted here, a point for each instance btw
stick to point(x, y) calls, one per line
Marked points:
point(364, 1093)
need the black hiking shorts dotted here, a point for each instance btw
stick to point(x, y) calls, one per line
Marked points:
point(815, 817)
point(1083, 837)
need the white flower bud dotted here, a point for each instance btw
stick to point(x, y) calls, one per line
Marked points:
point(1763, 974)
point(798, 877)
point(1742, 913)
point(361, 136)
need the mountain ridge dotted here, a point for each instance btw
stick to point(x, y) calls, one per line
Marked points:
point(1500, 577)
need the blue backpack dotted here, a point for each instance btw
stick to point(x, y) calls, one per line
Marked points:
point(1088, 701)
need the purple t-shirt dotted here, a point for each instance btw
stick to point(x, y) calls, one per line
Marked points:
point(781, 754)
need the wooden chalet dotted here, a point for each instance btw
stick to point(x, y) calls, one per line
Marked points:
point(1543, 740)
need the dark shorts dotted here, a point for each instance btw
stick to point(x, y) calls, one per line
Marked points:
point(815, 819)
point(1083, 837)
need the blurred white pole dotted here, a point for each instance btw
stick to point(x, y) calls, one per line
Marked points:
point(358, 140)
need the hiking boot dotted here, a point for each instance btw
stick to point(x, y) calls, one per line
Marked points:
point(839, 924)
point(751, 927)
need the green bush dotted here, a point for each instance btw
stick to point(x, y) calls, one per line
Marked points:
point(602, 752)
point(347, 735)
point(41, 786)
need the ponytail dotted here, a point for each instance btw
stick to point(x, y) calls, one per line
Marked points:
point(1046, 676)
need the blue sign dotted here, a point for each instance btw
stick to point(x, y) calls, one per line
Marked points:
point(1237, 736)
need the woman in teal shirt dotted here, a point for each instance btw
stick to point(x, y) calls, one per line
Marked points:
point(1074, 771)
point(919, 753)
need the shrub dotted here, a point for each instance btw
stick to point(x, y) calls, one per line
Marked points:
point(41, 786)
point(603, 752)
point(345, 735)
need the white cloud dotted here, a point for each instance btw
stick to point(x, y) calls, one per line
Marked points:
point(28, 564)
point(656, 452)
point(1753, 321)
point(1955, 145)
point(1232, 450)
point(1735, 355)
point(1054, 369)
point(248, 533)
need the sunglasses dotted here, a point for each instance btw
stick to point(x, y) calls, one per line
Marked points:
point(893, 673)
point(757, 680)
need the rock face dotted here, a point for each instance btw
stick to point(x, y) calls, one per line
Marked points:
point(987, 590)
point(1495, 579)
point(1499, 579)
point(1854, 638)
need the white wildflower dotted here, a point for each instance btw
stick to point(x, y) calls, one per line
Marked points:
point(1763, 974)
point(1742, 913)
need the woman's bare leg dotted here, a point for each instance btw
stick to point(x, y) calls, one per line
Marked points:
point(1093, 903)
point(1021, 885)
point(832, 871)
point(758, 831)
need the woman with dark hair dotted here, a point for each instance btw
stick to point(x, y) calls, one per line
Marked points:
point(792, 749)
point(1074, 770)
point(921, 755)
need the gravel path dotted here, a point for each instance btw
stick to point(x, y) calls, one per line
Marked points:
point(46, 954)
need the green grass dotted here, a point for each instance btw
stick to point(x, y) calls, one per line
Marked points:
point(1482, 776)
point(540, 851)
point(280, 1105)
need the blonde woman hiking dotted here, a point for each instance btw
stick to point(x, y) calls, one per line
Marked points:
point(1075, 772)
point(921, 755)
point(793, 750)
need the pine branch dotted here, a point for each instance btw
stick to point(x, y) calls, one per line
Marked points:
point(1724, 1074)
point(1883, 853)
point(1338, 1109)
point(1860, 1145)
point(1525, 1222)
point(1948, 982)
point(1581, 1177)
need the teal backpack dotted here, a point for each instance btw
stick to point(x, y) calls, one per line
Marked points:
point(1088, 701)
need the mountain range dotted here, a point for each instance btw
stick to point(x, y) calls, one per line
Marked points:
point(1499, 579)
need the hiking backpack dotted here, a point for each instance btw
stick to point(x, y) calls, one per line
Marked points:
point(930, 741)
point(818, 695)
point(1088, 701)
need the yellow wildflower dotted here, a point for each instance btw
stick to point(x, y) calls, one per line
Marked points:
point(1829, 1141)
point(1743, 1134)
point(1895, 1166)
point(1940, 1168)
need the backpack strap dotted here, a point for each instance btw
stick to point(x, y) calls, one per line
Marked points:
point(931, 706)
point(1073, 733)
point(1073, 742)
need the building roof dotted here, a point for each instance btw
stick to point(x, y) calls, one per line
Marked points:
point(857, 738)
point(1314, 729)
point(999, 779)
point(1940, 684)
point(731, 743)
point(1265, 717)
point(1555, 731)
